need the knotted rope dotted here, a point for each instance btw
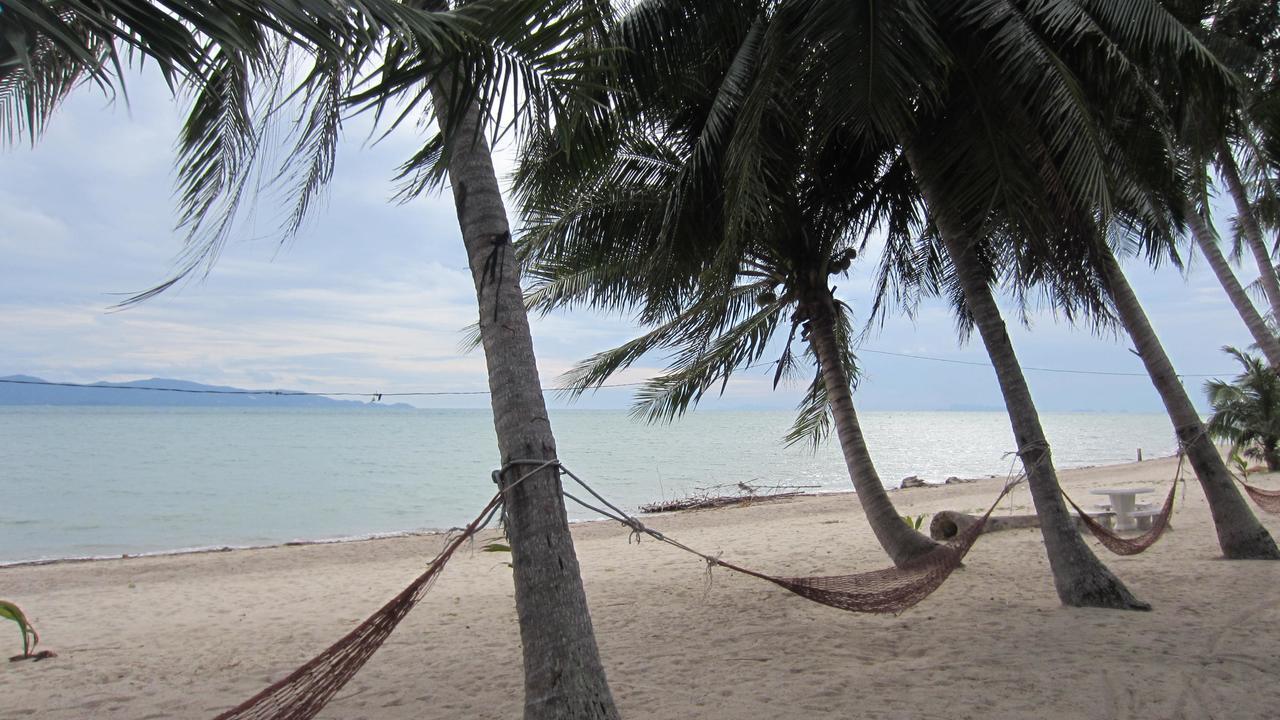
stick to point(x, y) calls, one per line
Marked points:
point(303, 693)
point(891, 590)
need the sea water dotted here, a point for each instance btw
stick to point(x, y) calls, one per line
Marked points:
point(94, 481)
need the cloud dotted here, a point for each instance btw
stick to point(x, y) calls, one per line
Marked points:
point(373, 296)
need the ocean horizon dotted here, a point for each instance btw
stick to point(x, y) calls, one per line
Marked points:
point(90, 482)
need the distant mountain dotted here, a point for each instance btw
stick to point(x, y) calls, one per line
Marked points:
point(28, 390)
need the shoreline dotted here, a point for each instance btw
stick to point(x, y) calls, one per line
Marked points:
point(435, 532)
point(192, 635)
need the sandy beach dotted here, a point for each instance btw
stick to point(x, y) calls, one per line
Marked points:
point(189, 636)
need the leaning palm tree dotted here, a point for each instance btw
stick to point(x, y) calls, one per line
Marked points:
point(991, 217)
point(1207, 241)
point(462, 65)
point(647, 224)
point(1067, 184)
point(1242, 33)
point(1120, 180)
point(868, 90)
point(1246, 411)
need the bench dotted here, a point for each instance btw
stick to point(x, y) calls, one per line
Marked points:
point(1143, 517)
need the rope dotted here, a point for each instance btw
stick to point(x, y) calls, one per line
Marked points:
point(1132, 546)
point(890, 590)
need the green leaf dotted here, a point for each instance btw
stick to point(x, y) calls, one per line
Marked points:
point(496, 547)
point(30, 638)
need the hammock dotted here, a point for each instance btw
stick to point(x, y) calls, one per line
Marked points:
point(1268, 500)
point(1129, 546)
point(304, 692)
point(891, 590)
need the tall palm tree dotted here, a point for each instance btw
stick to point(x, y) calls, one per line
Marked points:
point(1240, 535)
point(647, 223)
point(1079, 577)
point(1250, 229)
point(1246, 412)
point(875, 82)
point(1119, 175)
point(991, 215)
point(1205, 239)
point(460, 64)
point(1242, 33)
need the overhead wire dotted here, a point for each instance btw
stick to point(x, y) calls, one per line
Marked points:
point(447, 393)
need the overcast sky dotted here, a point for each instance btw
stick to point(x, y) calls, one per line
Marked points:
point(372, 296)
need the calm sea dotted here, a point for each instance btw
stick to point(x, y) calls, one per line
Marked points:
point(81, 481)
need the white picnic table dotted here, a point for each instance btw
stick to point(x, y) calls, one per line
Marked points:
point(1123, 504)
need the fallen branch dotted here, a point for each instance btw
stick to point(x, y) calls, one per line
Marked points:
point(704, 502)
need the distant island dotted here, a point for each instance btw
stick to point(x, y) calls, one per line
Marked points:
point(163, 392)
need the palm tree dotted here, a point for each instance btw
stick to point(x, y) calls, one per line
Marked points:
point(1207, 241)
point(1121, 177)
point(1246, 412)
point(975, 164)
point(877, 104)
point(1251, 230)
point(1079, 577)
point(1242, 33)
point(1240, 535)
point(469, 60)
point(645, 223)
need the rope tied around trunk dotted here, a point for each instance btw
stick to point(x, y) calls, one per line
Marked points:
point(891, 590)
point(302, 694)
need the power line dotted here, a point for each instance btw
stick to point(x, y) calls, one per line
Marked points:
point(1027, 367)
point(454, 393)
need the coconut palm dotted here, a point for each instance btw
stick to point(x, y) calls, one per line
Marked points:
point(1104, 165)
point(873, 104)
point(1242, 33)
point(645, 224)
point(1206, 239)
point(1246, 412)
point(463, 65)
point(1134, 193)
point(975, 165)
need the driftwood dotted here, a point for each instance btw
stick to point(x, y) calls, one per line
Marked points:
point(948, 523)
point(705, 502)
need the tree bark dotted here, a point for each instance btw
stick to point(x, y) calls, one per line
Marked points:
point(947, 524)
point(1271, 453)
point(1252, 231)
point(900, 541)
point(1258, 327)
point(1079, 577)
point(1240, 535)
point(564, 677)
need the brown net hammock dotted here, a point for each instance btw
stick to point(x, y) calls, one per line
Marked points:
point(1268, 500)
point(890, 590)
point(304, 692)
point(1134, 545)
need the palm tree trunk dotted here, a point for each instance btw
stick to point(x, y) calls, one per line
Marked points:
point(899, 540)
point(564, 677)
point(1078, 575)
point(1252, 231)
point(1262, 334)
point(1240, 535)
point(1271, 453)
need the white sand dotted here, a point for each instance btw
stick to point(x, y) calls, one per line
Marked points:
point(188, 636)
